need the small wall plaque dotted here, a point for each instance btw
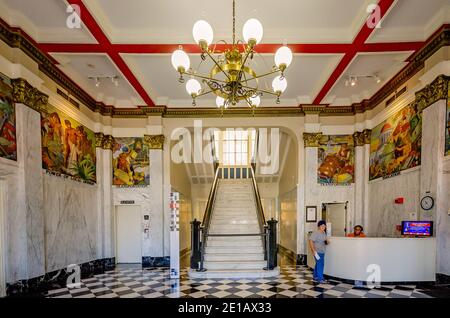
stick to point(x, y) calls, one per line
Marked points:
point(127, 202)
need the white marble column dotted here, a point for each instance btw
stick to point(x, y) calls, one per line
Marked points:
point(31, 184)
point(359, 184)
point(434, 179)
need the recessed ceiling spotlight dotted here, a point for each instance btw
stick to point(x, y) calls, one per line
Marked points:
point(353, 81)
point(377, 79)
point(97, 82)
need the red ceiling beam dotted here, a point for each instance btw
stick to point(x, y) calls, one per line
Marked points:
point(356, 46)
point(103, 42)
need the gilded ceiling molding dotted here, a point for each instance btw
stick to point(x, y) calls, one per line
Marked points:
point(430, 94)
point(108, 142)
point(154, 141)
point(16, 38)
point(312, 139)
point(99, 140)
point(24, 93)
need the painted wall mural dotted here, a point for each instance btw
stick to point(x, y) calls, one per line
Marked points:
point(68, 148)
point(8, 141)
point(447, 130)
point(336, 156)
point(395, 143)
point(131, 163)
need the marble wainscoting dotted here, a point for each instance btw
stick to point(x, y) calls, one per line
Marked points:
point(71, 219)
point(36, 287)
point(384, 213)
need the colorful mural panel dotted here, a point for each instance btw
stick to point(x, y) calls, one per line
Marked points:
point(396, 143)
point(447, 130)
point(8, 142)
point(336, 157)
point(68, 148)
point(131, 163)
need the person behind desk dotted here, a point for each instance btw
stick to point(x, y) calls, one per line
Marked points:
point(357, 232)
point(317, 242)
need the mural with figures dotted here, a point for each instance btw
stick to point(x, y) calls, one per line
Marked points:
point(131, 163)
point(8, 143)
point(336, 157)
point(447, 130)
point(395, 143)
point(68, 148)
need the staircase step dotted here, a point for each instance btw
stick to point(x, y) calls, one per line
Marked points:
point(234, 221)
point(250, 244)
point(238, 239)
point(243, 273)
point(235, 265)
point(233, 257)
point(236, 249)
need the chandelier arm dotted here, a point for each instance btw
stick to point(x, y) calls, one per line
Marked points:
point(204, 77)
point(203, 94)
point(218, 65)
point(262, 75)
point(259, 90)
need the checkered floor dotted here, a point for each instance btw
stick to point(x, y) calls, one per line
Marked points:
point(293, 282)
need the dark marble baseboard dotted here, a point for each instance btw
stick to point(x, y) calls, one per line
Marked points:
point(442, 279)
point(301, 259)
point(35, 287)
point(150, 261)
point(286, 252)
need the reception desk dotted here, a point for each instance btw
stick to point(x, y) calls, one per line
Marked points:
point(399, 259)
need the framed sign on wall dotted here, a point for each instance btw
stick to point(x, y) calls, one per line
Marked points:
point(311, 214)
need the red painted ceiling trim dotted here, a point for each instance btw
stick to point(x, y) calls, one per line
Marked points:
point(105, 44)
point(357, 44)
point(391, 47)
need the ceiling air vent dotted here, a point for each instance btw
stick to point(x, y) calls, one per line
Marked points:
point(396, 95)
point(68, 98)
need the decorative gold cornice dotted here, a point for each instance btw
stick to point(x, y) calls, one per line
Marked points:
point(17, 38)
point(430, 94)
point(26, 94)
point(108, 142)
point(312, 139)
point(154, 141)
point(99, 140)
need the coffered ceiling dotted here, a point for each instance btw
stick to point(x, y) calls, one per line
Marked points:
point(133, 40)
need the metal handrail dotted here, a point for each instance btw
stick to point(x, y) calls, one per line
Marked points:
point(207, 216)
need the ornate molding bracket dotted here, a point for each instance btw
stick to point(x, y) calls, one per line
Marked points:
point(312, 139)
point(154, 141)
point(362, 138)
point(436, 90)
point(108, 142)
point(99, 140)
point(367, 133)
point(26, 94)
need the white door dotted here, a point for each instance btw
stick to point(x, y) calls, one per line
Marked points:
point(128, 234)
point(336, 215)
point(2, 240)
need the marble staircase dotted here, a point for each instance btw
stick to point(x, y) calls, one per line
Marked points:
point(234, 212)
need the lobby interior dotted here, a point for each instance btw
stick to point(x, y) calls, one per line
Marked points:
point(121, 178)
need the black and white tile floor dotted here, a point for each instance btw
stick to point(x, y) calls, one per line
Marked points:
point(293, 282)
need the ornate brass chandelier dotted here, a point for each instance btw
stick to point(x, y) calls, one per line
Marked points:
point(231, 78)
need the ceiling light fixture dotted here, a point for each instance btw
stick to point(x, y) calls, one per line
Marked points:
point(352, 80)
point(231, 78)
point(98, 79)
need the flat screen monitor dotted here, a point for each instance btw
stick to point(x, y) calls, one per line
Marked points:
point(417, 228)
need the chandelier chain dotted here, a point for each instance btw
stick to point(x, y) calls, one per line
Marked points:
point(234, 22)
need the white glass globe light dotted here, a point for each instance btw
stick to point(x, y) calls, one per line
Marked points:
point(193, 87)
point(202, 31)
point(255, 100)
point(220, 102)
point(283, 56)
point(252, 31)
point(180, 60)
point(279, 84)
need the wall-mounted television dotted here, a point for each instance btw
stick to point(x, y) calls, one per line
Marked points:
point(417, 228)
